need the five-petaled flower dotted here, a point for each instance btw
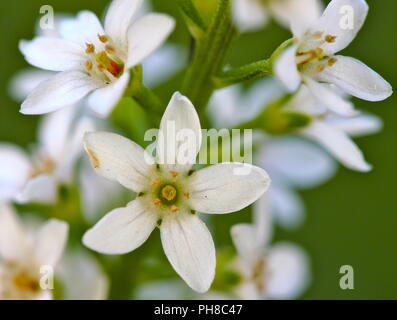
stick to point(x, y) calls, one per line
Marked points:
point(93, 60)
point(170, 194)
point(311, 59)
point(26, 257)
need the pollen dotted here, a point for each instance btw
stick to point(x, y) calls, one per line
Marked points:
point(156, 183)
point(88, 65)
point(329, 38)
point(174, 173)
point(90, 48)
point(332, 61)
point(174, 209)
point(105, 62)
point(320, 68)
point(187, 194)
point(168, 193)
point(103, 38)
point(157, 202)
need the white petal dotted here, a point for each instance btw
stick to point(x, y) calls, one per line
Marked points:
point(82, 277)
point(298, 162)
point(52, 54)
point(286, 71)
point(227, 187)
point(173, 289)
point(119, 159)
point(357, 79)
point(26, 80)
point(15, 169)
point(119, 18)
point(147, 35)
point(122, 230)
point(62, 90)
point(263, 220)
point(12, 238)
point(103, 100)
point(334, 102)
point(288, 271)
point(302, 13)
point(286, 206)
point(180, 136)
point(189, 247)
point(41, 189)
point(342, 19)
point(362, 125)
point(246, 243)
point(249, 15)
point(82, 29)
point(50, 242)
point(338, 144)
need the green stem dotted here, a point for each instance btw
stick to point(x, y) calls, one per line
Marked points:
point(209, 56)
point(251, 71)
point(193, 18)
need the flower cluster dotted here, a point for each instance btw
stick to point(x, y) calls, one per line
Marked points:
point(90, 82)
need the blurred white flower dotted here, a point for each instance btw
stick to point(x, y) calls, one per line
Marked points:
point(332, 131)
point(23, 254)
point(169, 194)
point(36, 179)
point(254, 14)
point(279, 271)
point(292, 163)
point(82, 277)
point(92, 60)
point(311, 59)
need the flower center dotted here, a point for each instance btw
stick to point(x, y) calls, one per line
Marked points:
point(103, 63)
point(43, 165)
point(168, 192)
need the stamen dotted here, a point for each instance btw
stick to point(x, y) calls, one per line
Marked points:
point(174, 209)
point(109, 48)
point(156, 182)
point(90, 48)
point(103, 38)
point(174, 173)
point(88, 65)
point(107, 63)
point(157, 202)
point(187, 194)
point(329, 38)
point(332, 61)
point(320, 67)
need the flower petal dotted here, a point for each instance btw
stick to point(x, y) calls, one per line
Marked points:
point(300, 14)
point(15, 169)
point(297, 162)
point(121, 230)
point(357, 79)
point(288, 271)
point(189, 247)
point(342, 19)
point(41, 189)
point(246, 243)
point(330, 99)
point(52, 54)
point(147, 35)
point(249, 15)
point(286, 71)
point(119, 159)
point(25, 81)
point(338, 144)
point(82, 29)
point(50, 242)
point(362, 125)
point(227, 187)
point(62, 90)
point(180, 136)
point(119, 18)
point(103, 100)
point(12, 237)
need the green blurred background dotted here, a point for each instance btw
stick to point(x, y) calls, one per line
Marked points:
point(351, 220)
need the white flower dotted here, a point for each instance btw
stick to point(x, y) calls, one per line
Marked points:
point(93, 60)
point(169, 194)
point(22, 255)
point(82, 277)
point(293, 163)
point(311, 59)
point(333, 132)
point(36, 178)
point(280, 271)
point(254, 14)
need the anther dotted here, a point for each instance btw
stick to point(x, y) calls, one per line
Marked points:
point(90, 48)
point(157, 202)
point(174, 209)
point(156, 183)
point(103, 38)
point(88, 65)
point(174, 174)
point(332, 61)
point(329, 38)
point(187, 194)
